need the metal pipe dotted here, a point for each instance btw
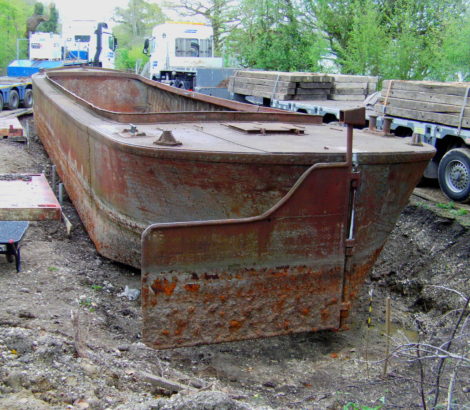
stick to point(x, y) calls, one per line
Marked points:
point(61, 193)
point(372, 122)
point(349, 145)
point(387, 126)
point(53, 177)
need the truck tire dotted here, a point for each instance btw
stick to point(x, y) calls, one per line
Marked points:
point(454, 174)
point(28, 98)
point(13, 100)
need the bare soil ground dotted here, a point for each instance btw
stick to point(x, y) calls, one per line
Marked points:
point(40, 367)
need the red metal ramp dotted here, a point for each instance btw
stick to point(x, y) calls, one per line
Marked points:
point(277, 273)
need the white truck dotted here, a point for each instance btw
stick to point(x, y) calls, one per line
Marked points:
point(90, 41)
point(176, 50)
point(45, 46)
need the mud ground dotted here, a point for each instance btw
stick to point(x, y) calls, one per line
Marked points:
point(45, 365)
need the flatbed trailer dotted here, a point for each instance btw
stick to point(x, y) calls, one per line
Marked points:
point(451, 164)
point(328, 109)
point(15, 91)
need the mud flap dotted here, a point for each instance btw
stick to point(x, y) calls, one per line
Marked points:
point(225, 280)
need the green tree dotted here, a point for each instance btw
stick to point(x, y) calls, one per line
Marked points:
point(136, 21)
point(220, 14)
point(452, 62)
point(39, 9)
point(51, 25)
point(393, 38)
point(272, 36)
point(13, 16)
point(126, 58)
point(363, 53)
point(134, 24)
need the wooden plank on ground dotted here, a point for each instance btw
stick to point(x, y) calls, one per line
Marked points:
point(16, 113)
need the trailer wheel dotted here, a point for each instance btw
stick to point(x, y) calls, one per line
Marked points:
point(454, 174)
point(28, 98)
point(13, 100)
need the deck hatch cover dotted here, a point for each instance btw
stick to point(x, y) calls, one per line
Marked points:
point(266, 127)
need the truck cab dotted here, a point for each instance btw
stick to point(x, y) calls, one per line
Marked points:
point(90, 41)
point(176, 50)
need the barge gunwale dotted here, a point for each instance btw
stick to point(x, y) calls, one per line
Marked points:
point(148, 117)
point(182, 153)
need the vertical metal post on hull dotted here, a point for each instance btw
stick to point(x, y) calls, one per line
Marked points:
point(350, 118)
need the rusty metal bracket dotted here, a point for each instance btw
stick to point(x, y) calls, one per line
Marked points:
point(167, 139)
point(356, 116)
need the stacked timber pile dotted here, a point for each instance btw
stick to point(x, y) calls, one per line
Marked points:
point(301, 86)
point(280, 86)
point(429, 101)
point(352, 87)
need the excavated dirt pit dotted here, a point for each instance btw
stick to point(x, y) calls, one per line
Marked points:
point(423, 268)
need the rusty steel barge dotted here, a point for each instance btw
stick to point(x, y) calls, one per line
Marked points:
point(246, 222)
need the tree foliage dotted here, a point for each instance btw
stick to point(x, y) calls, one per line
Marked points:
point(135, 23)
point(126, 58)
point(272, 35)
point(402, 39)
point(220, 14)
point(51, 25)
point(390, 38)
point(13, 16)
point(452, 62)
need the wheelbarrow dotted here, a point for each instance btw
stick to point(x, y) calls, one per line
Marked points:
point(11, 235)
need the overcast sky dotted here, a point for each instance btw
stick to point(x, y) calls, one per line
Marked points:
point(101, 10)
point(87, 9)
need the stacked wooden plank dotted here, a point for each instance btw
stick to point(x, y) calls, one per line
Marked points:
point(429, 101)
point(280, 85)
point(301, 86)
point(352, 87)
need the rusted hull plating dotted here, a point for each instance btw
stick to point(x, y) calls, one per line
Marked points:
point(295, 268)
point(279, 273)
point(230, 275)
